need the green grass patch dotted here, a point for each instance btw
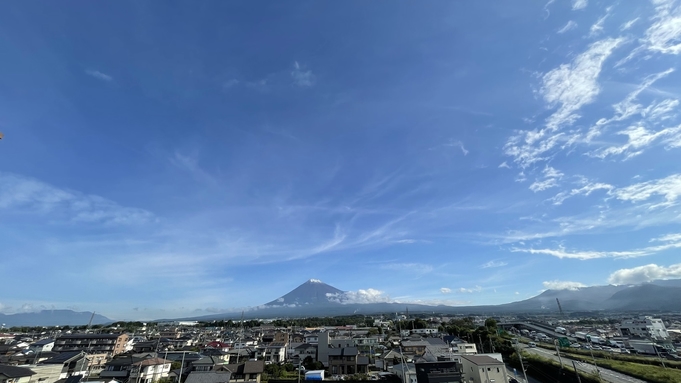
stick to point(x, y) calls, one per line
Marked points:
point(655, 361)
point(546, 369)
point(647, 372)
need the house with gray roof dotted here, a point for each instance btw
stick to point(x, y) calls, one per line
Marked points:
point(11, 374)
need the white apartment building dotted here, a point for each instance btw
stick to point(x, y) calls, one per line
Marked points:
point(466, 348)
point(644, 327)
point(483, 369)
point(150, 370)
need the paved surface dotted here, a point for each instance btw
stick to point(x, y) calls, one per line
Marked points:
point(511, 374)
point(539, 327)
point(606, 375)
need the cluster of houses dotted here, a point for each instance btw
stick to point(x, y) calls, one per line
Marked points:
point(191, 354)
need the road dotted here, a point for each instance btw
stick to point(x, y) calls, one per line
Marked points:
point(606, 375)
point(519, 376)
point(546, 329)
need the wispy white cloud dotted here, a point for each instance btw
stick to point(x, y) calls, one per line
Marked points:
point(23, 194)
point(504, 165)
point(597, 28)
point(639, 139)
point(99, 75)
point(452, 144)
point(561, 252)
point(551, 178)
point(585, 190)
point(302, 77)
point(667, 238)
point(662, 110)
point(669, 188)
point(567, 27)
point(446, 290)
point(628, 107)
point(574, 85)
point(664, 35)
point(493, 263)
point(579, 4)
point(629, 24)
point(190, 164)
point(470, 290)
point(562, 285)
point(645, 273)
point(567, 88)
point(419, 268)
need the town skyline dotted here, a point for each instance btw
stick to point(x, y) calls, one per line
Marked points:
point(182, 159)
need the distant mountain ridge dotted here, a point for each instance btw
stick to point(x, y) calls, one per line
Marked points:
point(660, 295)
point(52, 318)
point(315, 298)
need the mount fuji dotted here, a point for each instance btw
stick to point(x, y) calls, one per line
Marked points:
point(316, 298)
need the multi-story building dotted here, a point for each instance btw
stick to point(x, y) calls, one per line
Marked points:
point(281, 336)
point(250, 371)
point(483, 369)
point(43, 345)
point(441, 372)
point(644, 327)
point(406, 372)
point(150, 370)
point(111, 344)
point(466, 348)
point(11, 374)
point(347, 360)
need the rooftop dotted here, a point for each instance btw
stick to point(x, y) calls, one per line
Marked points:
point(481, 360)
point(15, 372)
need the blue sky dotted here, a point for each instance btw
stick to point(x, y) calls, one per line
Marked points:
point(171, 158)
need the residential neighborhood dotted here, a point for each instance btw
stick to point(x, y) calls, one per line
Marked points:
point(462, 349)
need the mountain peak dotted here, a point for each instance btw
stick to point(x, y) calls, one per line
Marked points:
point(312, 292)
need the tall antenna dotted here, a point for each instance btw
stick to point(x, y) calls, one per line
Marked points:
point(560, 308)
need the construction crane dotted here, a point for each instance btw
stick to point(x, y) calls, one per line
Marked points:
point(560, 308)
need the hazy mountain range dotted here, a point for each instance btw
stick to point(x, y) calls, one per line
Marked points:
point(315, 298)
point(52, 318)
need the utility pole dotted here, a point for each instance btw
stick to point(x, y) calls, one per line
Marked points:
point(299, 364)
point(576, 372)
point(522, 366)
point(555, 342)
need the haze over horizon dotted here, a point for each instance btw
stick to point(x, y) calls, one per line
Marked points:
point(167, 160)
